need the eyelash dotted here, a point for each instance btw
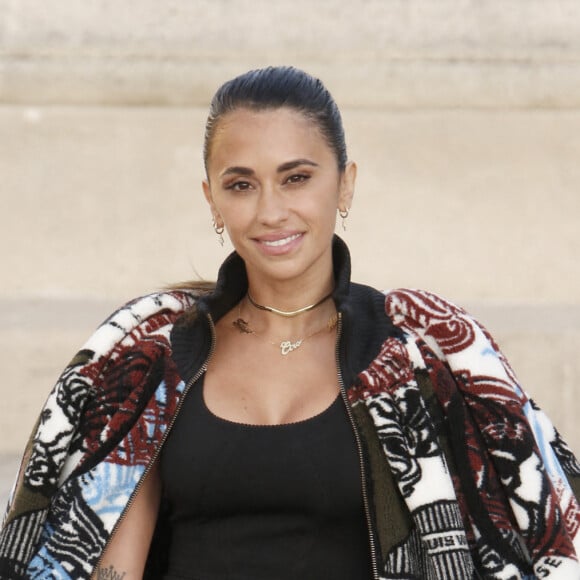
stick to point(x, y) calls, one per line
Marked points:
point(235, 186)
point(301, 177)
point(242, 186)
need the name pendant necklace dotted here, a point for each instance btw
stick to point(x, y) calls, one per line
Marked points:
point(286, 346)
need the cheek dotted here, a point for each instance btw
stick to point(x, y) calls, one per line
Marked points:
point(322, 216)
point(235, 215)
point(327, 204)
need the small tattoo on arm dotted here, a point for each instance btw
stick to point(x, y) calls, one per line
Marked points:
point(109, 574)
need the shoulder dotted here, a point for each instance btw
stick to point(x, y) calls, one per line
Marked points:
point(144, 316)
point(116, 372)
point(441, 323)
point(421, 306)
point(424, 308)
point(121, 355)
point(407, 303)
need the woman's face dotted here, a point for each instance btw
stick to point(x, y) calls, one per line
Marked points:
point(274, 183)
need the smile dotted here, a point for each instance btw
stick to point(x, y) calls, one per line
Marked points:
point(281, 242)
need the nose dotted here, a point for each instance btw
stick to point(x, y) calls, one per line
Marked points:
point(272, 209)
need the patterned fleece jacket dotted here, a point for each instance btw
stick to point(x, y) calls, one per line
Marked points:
point(463, 476)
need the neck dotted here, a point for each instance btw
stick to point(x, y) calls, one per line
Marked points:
point(288, 297)
point(272, 324)
point(291, 294)
point(288, 313)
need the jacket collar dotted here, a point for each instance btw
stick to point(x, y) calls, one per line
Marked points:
point(232, 282)
point(365, 324)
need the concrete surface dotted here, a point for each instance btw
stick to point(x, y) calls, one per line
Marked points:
point(477, 205)
point(372, 53)
point(8, 469)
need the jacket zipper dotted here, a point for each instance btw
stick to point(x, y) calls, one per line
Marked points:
point(360, 453)
point(189, 384)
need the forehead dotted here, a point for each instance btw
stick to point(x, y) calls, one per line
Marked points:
point(245, 137)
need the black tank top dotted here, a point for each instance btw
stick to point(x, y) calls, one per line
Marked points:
point(257, 502)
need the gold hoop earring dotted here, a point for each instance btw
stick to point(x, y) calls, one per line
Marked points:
point(219, 230)
point(343, 213)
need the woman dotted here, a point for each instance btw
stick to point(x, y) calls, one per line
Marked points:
point(289, 423)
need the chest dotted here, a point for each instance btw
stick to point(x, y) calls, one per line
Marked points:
point(251, 381)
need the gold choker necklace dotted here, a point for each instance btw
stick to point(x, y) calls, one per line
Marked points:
point(285, 346)
point(287, 313)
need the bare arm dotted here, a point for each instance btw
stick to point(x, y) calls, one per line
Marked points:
point(126, 554)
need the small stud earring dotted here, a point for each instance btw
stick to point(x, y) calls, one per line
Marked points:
point(343, 214)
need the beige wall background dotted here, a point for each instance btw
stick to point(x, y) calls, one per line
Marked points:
point(464, 118)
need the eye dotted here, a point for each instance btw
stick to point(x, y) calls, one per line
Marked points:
point(298, 178)
point(238, 186)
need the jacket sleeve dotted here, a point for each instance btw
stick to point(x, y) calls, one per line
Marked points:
point(504, 446)
point(91, 409)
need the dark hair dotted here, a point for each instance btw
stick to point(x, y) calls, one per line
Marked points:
point(274, 87)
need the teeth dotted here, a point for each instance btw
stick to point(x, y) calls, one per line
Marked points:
point(282, 241)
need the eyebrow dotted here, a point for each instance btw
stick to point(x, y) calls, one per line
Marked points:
point(238, 170)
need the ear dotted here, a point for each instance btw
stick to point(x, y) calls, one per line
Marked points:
point(209, 198)
point(346, 191)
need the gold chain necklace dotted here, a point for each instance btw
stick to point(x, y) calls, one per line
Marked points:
point(285, 346)
point(287, 313)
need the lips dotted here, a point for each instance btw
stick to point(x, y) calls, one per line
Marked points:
point(281, 241)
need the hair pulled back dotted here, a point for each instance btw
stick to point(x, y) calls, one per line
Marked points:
point(275, 87)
